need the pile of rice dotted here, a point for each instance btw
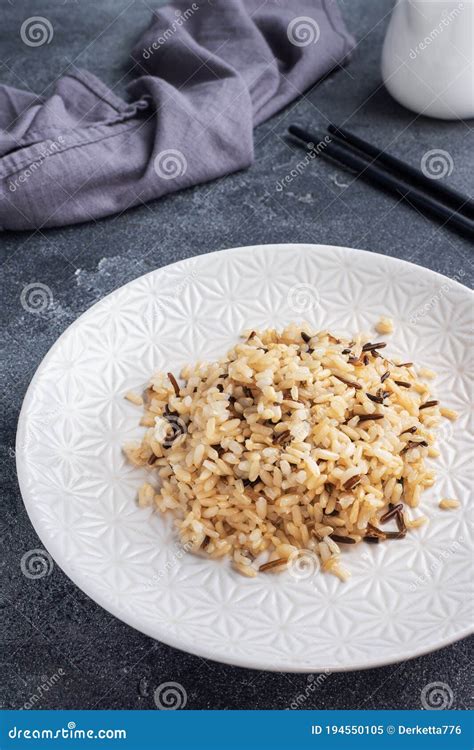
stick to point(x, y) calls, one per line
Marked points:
point(295, 441)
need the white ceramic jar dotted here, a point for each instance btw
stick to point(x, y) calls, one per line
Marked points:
point(428, 57)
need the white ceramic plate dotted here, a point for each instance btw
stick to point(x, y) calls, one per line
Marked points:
point(404, 598)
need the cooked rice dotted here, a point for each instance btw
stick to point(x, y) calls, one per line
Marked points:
point(293, 441)
point(415, 523)
point(385, 325)
point(449, 504)
point(134, 398)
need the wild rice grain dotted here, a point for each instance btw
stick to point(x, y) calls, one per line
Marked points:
point(174, 382)
point(429, 404)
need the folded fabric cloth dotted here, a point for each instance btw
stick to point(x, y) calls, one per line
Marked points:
point(208, 73)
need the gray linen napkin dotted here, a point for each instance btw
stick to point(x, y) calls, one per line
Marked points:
point(209, 72)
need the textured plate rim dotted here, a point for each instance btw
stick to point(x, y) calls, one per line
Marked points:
point(242, 662)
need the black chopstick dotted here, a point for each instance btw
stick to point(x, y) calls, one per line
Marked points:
point(460, 203)
point(374, 174)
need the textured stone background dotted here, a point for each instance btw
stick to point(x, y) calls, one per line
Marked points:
point(49, 624)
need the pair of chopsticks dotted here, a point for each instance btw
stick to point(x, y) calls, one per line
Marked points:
point(377, 167)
